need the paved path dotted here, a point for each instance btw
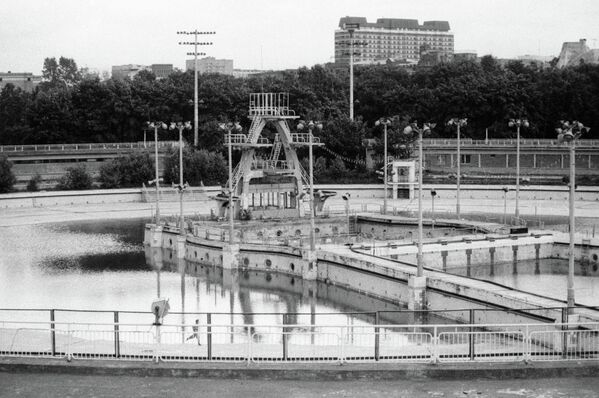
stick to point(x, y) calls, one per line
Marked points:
point(65, 385)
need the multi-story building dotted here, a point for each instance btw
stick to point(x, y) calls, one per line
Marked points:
point(161, 71)
point(573, 53)
point(390, 39)
point(24, 81)
point(211, 65)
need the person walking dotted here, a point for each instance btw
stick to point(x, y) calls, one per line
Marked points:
point(196, 334)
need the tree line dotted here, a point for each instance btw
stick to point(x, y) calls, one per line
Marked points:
point(70, 106)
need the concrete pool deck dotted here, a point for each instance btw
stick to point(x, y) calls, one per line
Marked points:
point(99, 211)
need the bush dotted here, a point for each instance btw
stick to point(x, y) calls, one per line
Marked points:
point(127, 171)
point(7, 178)
point(199, 166)
point(75, 178)
point(34, 182)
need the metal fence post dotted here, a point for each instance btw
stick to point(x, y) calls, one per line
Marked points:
point(471, 336)
point(117, 342)
point(376, 336)
point(284, 337)
point(52, 332)
point(209, 335)
point(565, 335)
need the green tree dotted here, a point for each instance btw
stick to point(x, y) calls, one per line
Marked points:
point(127, 171)
point(7, 178)
point(199, 167)
point(34, 182)
point(75, 178)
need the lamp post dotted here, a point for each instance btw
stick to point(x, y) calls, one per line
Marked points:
point(345, 198)
point(433, 194)
point(385, 122)
point(410, 129)
point(505, 191)
point(458, 123)
point(518, 123)
point(156, 126)
point(181, 187)
point(195, 53)
point(228, 127)
point(569, 132)
point(311, 125)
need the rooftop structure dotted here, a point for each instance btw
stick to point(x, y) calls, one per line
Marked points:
point(390, 39)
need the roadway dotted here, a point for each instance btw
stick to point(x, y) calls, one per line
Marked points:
point(41, 385)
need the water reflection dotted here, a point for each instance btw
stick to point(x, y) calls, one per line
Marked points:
point(103, 266)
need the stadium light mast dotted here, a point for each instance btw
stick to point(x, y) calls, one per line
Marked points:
point(195, 43)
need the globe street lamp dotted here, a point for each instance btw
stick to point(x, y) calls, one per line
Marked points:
point(569, 133)
point(311, 125)
point(156, 126)
point(385, 122)
point(181, 187)
point(458, 123)
point(228, 127)
point(425, 129)
point(518, 123)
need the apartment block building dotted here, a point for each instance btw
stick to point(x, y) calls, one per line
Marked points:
point(390, 39)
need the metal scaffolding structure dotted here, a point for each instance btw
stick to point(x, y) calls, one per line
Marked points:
point(269, 181)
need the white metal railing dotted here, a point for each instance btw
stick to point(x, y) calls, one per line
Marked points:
point(304, 138)
point(502, 142)
point(97, 147)
point(302, 342)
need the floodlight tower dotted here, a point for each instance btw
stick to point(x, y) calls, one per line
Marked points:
point(195, 53)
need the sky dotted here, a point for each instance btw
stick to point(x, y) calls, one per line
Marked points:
point(269, 34)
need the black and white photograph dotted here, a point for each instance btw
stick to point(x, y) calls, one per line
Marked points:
point(288, 199)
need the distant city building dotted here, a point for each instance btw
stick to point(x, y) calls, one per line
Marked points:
point(391, 39)
point(573, 53)
point(127, 71)
point(242, 73)
point(25, 81)
point(211, 65)
point(430, 58)
point(465, 56)
point(535, 59)
point(161, 71)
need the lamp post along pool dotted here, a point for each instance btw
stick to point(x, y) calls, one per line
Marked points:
point(505, 191)
point(385, 122)
point(425, 129)
point(311, 125)
point(518, 123)
point(458, 123)
point(228, 127)
point(569, 132)
point(182, 186)
point(156, 181)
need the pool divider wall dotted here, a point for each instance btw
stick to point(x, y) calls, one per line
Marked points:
point(377, 277)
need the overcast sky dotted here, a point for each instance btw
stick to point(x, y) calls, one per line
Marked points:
point(269, 34)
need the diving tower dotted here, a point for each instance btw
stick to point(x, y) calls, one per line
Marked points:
point(269, 181)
